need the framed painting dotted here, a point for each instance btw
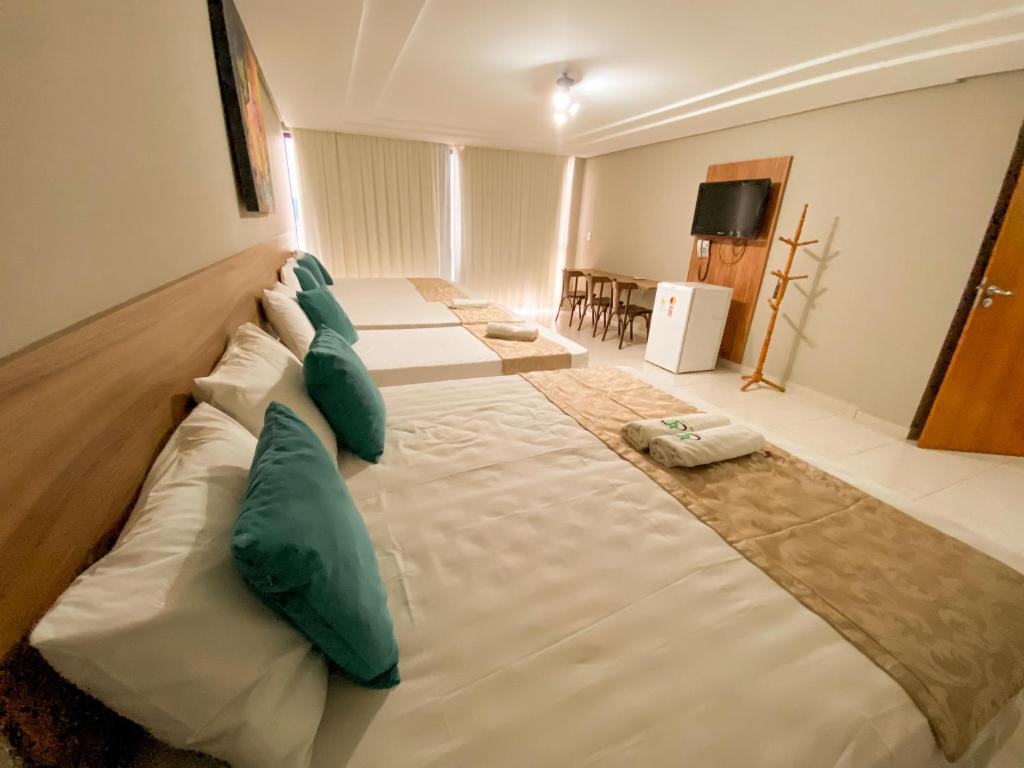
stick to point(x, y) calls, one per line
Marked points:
point(238, 73)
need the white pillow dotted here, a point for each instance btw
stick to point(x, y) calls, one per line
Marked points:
point(288, 277)
point(255, 370)
point(288, 319)
point(163, 629)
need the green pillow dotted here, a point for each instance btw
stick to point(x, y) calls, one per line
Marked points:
point(342, 389)
point(323, 309)
point(313, 264)
point(306, 279)
point(303, 549)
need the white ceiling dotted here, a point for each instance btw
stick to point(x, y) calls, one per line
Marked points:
point(482, 71)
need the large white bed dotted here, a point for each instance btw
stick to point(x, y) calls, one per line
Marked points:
point(412, 356)
point(555, 607)
point(389, 302)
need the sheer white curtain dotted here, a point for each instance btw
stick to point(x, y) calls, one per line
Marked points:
point(373, 207)
point(510, 217)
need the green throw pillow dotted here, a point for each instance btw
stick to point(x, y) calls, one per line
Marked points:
point(342, 389)
point(306, 279)
point(323, 309)
point(314, 265)
point(303, 549)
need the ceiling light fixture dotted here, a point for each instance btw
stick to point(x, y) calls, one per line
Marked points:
point(565, 107)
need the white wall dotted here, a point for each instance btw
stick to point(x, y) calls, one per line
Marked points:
point(908, 183)
point(116, 173)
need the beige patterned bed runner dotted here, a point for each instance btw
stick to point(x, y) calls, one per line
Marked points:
point(945, 621)
point(492, 313)
point(541, 354)
point(436, 289)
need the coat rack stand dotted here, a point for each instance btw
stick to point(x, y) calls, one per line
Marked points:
point(757, 377)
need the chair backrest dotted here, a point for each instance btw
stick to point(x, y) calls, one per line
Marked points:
point(571, 281)
point(620, 286)
point(599, 282)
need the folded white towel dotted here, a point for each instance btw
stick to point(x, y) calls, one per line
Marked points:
point(640, 433)
point(512, 331)
point(692, 449)
point(469, 303)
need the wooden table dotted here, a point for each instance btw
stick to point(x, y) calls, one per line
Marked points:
point(640, 282)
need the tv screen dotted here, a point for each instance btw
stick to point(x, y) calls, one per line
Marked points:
point(731, 208)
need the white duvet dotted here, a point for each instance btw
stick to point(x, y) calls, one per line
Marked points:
point(417, 355)
point(389, 302)
point(555, 607)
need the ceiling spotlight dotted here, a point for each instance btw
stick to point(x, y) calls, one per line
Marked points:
point(565, 107)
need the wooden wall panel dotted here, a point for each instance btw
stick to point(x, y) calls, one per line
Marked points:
point(84, 413)
point(744, 275)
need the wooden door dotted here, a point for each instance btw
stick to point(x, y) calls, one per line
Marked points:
point(980, 403)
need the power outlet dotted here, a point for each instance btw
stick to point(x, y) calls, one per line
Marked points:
point(703, 249)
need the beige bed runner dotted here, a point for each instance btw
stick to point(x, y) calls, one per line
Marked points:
point(541, 354)
point(439, 289)
point(492, 313)
point(945, 621)
point(436, 289)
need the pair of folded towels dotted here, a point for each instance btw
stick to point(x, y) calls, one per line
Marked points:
point(691, 440)
point(512, 331)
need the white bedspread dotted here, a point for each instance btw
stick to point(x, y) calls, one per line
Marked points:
point(411, 356)
point(385, 302)
point(554, 607)
point(396, 289)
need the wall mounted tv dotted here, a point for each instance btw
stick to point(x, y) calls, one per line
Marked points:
point(731, 208)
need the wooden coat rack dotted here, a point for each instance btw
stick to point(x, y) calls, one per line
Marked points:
point(757, 377)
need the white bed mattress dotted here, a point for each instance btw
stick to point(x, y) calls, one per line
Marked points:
point(389, 302)
point(397, 289)
point(555, 607)
point(412, 356)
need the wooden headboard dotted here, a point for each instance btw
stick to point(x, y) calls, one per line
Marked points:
point(745, 271)
point(84, 413)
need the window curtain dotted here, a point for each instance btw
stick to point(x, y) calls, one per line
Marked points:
point(371, 206)
point(510, 218)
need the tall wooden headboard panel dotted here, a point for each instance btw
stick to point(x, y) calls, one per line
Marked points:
point(84, 413)
point(745, 271)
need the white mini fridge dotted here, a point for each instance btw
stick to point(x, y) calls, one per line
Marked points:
point(687, 325)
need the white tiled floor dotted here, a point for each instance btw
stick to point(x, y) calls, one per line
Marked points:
point(979, 498)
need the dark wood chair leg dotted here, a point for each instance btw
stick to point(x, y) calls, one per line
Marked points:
point(598, 314)
point(608, 322)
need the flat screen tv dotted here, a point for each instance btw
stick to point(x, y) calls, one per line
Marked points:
point(731, 208)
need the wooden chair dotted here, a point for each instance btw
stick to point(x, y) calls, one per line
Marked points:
point(625, 311)
point(598, 304)
point(572, 292)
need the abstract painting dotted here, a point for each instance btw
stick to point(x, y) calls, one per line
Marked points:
point(238, 73)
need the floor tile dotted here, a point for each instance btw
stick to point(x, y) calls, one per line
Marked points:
point(835, 436)
point(992, 501)
point(913, 471)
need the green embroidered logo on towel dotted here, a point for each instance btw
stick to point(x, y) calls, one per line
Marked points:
point(675, 424)
point(688, 436)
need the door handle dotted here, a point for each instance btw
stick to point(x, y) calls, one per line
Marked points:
point(994, 291)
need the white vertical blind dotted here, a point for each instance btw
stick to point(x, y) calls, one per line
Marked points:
point(371, 206)
point(510, 214)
